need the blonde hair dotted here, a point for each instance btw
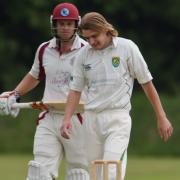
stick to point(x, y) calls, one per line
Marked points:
point(96, 21)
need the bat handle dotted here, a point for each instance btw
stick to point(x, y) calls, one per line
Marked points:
point(21, 105)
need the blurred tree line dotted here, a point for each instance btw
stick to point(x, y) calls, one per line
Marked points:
point(153, 25)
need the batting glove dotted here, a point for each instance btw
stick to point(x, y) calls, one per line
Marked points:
point(7, 99)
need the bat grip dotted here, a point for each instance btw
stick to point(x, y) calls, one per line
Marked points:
point(21, 105)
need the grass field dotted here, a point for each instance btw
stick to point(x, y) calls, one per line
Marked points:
point(13, 167)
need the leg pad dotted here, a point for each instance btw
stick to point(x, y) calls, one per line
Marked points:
point(77, 174)
point(37, 171)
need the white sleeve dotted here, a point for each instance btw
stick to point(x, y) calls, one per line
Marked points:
point(77, 81)
point(37, 70)
point(137, 65)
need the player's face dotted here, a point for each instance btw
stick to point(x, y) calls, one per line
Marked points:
point(98, 40)
point(65, 28)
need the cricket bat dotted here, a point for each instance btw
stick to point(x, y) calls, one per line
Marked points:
point(47, 105)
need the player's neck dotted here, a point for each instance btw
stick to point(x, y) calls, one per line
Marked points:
point(65, 46)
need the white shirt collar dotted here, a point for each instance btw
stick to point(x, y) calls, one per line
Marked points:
point(114, 41)
point(52, 43)
point(76, 43)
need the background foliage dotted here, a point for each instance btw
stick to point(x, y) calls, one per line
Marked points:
point(153, 25)
point(25, 24)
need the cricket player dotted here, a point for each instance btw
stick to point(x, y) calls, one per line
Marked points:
point(108, 66)
point(53, 63)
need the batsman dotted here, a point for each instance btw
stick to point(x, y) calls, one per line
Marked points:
point(53, 63)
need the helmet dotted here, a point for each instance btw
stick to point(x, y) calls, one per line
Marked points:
point(65, 11)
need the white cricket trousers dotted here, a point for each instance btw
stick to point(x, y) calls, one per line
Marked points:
point(107, 136)
point(49, 145)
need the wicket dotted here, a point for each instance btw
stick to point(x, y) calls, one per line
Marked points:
point(105, 165)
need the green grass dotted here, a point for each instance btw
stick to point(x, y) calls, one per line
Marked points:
point(153, 169)
point(14, 167)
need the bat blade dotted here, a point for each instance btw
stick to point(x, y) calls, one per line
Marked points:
point(48, 105)
point(56, 105)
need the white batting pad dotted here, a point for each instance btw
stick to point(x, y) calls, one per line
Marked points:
point(77, 174)
point(37, 171)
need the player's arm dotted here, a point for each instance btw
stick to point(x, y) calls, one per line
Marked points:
point(28, 83)
point(72, 103)
point(164, 126)
point(7, 99)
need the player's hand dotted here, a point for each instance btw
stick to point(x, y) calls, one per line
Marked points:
point(4, 104)
point(165, 128)
point(6, 101)
point(66, 129)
